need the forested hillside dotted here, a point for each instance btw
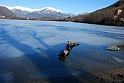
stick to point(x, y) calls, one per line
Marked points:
point(112, 15)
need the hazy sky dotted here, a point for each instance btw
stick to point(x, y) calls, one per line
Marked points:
point(67, 6)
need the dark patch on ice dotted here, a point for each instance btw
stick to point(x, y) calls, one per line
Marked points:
point(54, 73)
point(7, 77)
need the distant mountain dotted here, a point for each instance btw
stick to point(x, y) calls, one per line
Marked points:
point(39, 13)
point(6, 12)
point(85, 13)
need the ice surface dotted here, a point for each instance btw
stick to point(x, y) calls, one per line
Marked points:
point(7, 77)
point(54, 73)
point(19, 38)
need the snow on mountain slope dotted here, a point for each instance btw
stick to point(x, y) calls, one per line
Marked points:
point(50, 8)
point(32, 10)
point(38, 13)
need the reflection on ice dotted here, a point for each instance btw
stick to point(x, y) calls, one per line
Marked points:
point(24, 37)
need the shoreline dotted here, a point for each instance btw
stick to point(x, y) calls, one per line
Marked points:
point(109, 76)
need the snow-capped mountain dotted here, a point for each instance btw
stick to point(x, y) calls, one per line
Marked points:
point(38, 13)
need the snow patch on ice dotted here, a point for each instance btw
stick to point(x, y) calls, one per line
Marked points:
point(117, 59)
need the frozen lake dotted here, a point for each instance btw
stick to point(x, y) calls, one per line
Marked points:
point(29, 47)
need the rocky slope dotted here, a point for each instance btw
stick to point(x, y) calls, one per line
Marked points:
point(6, 12)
